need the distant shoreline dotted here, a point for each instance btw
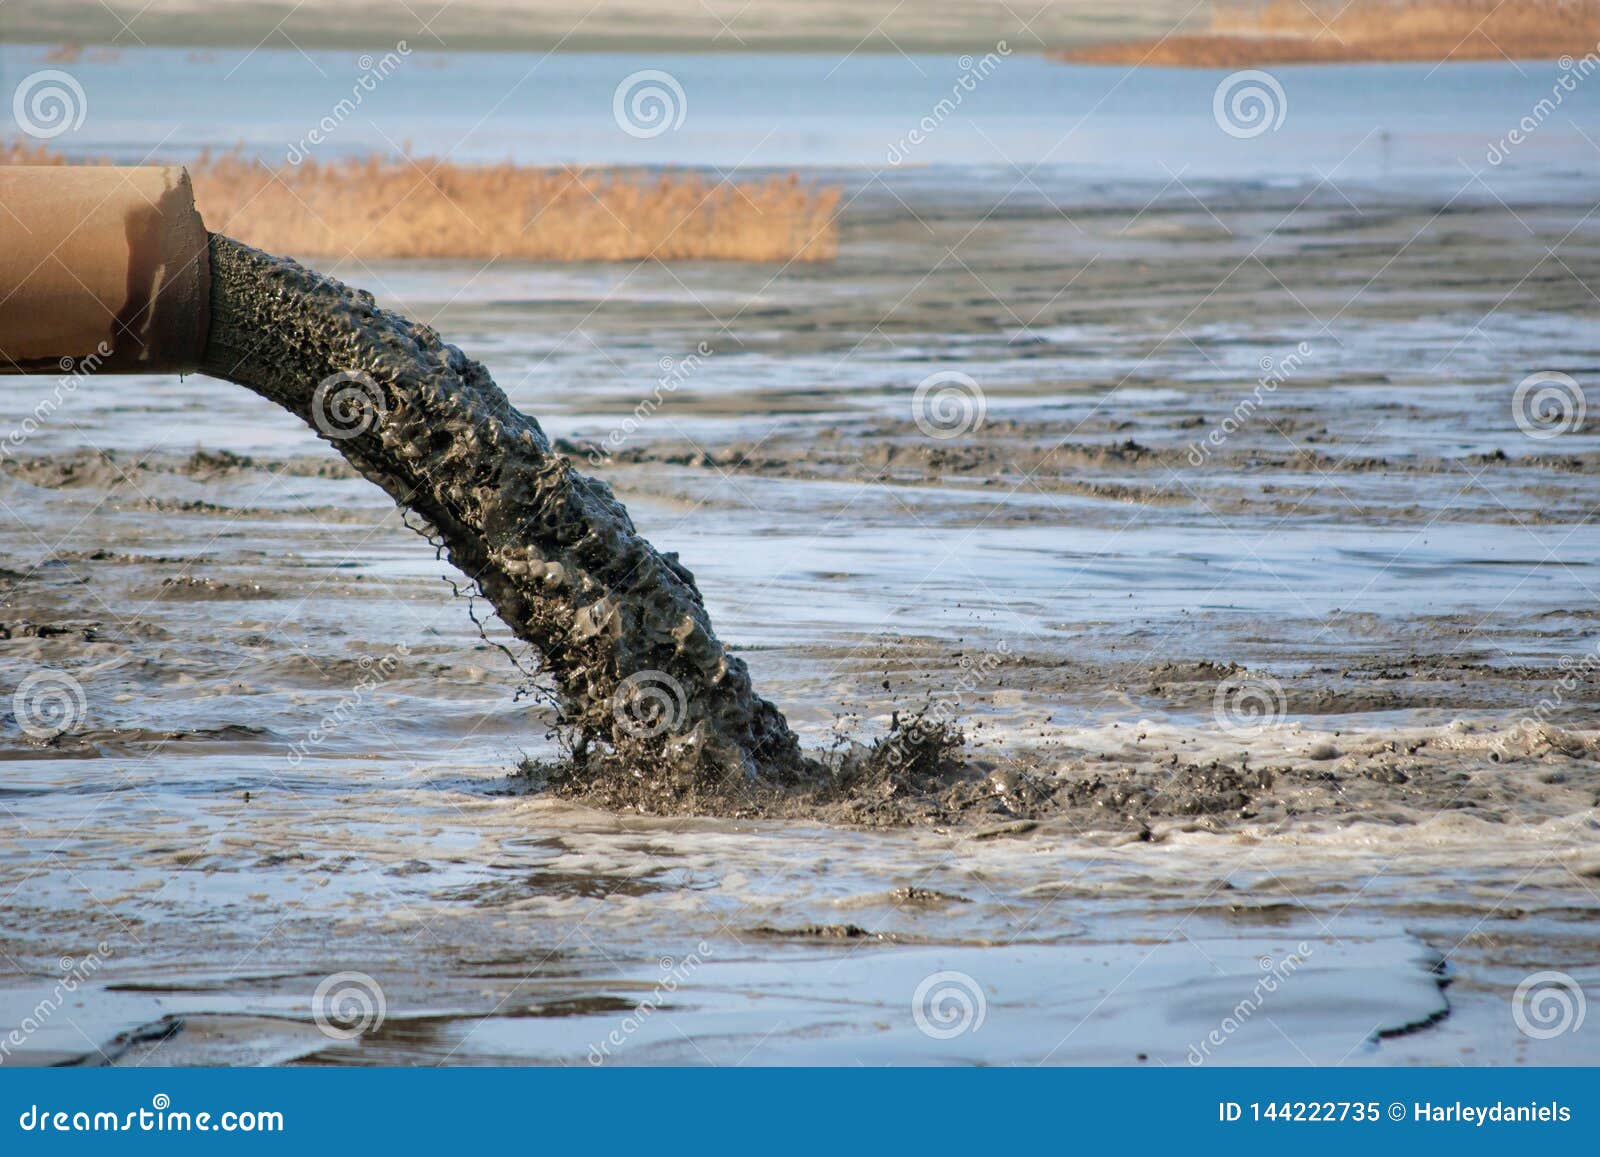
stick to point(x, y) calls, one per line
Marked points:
point(677, 26)
point(1253, 33)
point(1156, 33)
point(1173, 54)
point(1255, 52)
point(598, 46)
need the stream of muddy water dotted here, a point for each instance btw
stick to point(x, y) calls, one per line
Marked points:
point(1270, 626)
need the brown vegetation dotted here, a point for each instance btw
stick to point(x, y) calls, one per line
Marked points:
point(423, 207)
point(1242, 34)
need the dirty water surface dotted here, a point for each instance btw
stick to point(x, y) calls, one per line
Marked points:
point(1287, 706)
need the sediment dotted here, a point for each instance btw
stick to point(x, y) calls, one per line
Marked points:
point(641, 681)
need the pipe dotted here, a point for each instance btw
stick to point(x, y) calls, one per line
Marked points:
point(662, 711)
point(119, 256)
point(104, 263)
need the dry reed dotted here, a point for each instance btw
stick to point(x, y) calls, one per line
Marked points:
point(1322, 31)
point(422, 207)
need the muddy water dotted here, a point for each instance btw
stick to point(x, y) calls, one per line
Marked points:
point(619, 628)
point(295, 752)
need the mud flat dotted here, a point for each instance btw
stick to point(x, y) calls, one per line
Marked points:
point(1326, 679)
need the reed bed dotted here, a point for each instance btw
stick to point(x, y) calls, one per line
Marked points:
point(1240, 35)
point(423, 207)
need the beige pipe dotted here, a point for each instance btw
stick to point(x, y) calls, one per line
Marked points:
point(101, 263)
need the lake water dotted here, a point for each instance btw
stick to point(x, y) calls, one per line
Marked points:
point(1075, 122)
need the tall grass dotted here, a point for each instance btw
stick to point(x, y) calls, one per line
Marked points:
point(423, 207)
point(1242, 33)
